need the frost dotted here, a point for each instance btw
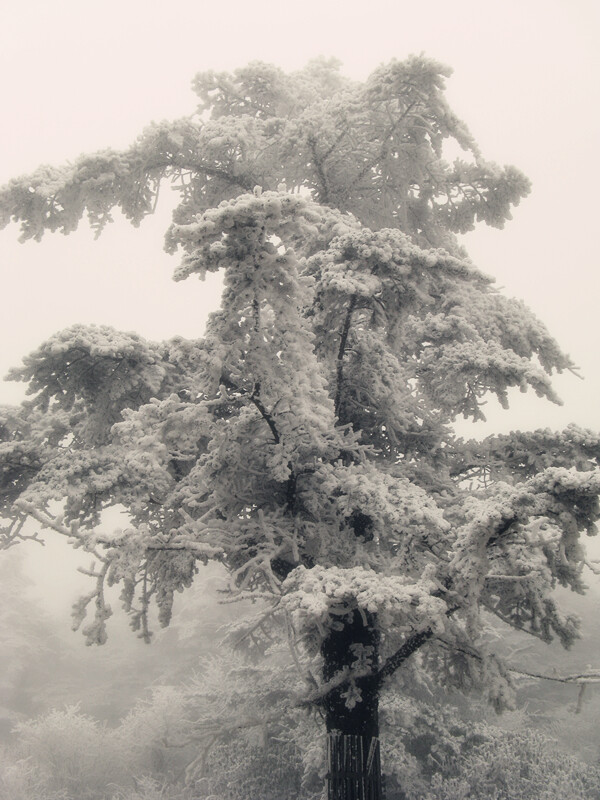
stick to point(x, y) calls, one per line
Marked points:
point(306, 441)
point(317, 598)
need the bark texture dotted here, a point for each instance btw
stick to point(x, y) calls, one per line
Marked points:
point(352, 711)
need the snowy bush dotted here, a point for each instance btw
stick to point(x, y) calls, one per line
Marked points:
point(518, 766)
point(66, 755)
point(430, 751)
point(246, 770)
point(150, 789)
point(19, 780)
point(153, 735)
point(71, 755)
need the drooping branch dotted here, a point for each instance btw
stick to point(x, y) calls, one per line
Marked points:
point(56, 524)
point(508, 621)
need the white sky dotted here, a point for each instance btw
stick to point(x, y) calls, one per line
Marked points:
point(77, 76)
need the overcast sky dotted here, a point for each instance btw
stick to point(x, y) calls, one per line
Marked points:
point(77, 76)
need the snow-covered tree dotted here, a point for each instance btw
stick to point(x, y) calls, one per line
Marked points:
point(306, 442)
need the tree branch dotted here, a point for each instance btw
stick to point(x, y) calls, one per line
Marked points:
point(510, 623)
point(579, 678)
point(368, 165)
point(374, 679)
point(312, 142)
point(410, 646)
point(254, 398)
point(12, 534)
point(341, 352)
point(72, 532)
point(290, 493)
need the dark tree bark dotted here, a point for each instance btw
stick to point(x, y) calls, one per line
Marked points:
point(352, 712)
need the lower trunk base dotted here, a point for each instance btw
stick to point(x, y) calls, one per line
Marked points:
point(354, 768)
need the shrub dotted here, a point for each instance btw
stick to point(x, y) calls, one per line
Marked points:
point(19, 780)
point(518, 766)
point(71, 754)
point(153, 735)
point(150, 789)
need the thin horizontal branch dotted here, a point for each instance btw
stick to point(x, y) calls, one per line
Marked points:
point(591, 676)
point(55, 524)
point(580, 678)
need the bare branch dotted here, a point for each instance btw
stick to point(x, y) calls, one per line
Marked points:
point(410, 646)
point(580, 678)
point(255, 399)
point(341, 353)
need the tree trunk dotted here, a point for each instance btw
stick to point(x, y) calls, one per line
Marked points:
point(352, 712)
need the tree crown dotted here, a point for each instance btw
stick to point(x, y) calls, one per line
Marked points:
point(306, 440)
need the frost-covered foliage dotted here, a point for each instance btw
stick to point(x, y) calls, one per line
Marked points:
point(372, 149)
point(71, 753)
point(19, 780)
point(430, 751)
point(306, 441)
point(518, 767)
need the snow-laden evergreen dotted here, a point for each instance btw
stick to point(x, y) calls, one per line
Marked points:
point(306, 440)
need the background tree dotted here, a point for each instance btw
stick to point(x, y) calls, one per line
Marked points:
point(29, 640)
point(306, 441)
